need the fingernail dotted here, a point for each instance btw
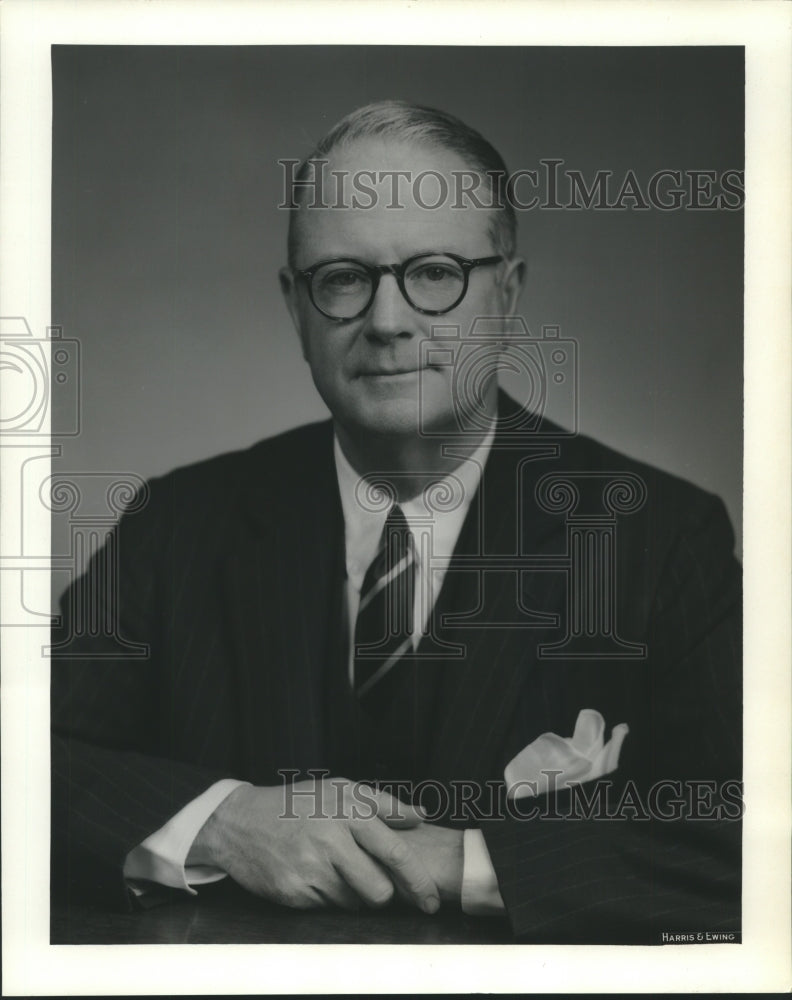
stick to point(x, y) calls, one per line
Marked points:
point(431, 905)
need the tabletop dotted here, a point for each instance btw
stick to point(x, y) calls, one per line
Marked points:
point(225, 914)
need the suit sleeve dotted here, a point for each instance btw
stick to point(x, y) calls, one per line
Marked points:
point(652, 868)
point(114, 780)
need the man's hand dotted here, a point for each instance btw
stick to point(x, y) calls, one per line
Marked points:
point(442, 852)
point(317, 843)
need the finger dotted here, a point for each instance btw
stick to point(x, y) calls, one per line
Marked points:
point(402, 863)
point(336, 892)
point(364, 877)
point(392, 811)
point(303, 897)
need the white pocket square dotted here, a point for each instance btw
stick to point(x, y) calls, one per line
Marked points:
point(582, 757)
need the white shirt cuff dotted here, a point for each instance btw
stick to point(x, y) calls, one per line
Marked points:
point(480, 894)
point(161, 857)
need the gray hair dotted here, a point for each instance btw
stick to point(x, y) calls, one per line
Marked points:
point(402, 120)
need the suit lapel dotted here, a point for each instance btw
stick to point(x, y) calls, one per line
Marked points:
point(281, 579)
point(515, 607)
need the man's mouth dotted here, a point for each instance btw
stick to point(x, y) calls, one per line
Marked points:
point(387, 372)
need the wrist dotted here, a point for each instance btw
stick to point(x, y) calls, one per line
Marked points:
point(209, 846)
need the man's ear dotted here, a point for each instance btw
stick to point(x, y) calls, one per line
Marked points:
point(512, 284)
point(289, 290)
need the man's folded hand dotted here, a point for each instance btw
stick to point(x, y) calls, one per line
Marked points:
point(318, 843)
point(442, 851)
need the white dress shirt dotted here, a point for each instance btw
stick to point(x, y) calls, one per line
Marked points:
point(435, 517)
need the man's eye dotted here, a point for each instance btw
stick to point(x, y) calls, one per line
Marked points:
point(343, 279)
point(433, 273)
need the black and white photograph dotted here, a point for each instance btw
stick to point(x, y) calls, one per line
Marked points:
point(389, 427)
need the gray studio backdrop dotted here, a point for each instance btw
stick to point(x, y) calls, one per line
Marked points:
point(167, 238)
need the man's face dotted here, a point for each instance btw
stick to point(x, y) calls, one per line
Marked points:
point(369, 370)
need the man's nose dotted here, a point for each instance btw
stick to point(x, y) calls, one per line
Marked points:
point(390, 314)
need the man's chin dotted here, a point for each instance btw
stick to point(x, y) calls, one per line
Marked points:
point(402, 418)
point(391, 419)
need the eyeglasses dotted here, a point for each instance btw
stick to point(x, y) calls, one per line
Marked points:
point(432, 283)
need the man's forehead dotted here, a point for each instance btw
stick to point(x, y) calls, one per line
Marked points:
point(396, 194)
point(389, 152)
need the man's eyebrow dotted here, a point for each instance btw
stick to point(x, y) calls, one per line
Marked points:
point(368, 259)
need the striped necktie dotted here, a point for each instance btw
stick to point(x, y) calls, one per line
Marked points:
point(384, 626)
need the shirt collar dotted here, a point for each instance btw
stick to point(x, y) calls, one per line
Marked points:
point(438, 511)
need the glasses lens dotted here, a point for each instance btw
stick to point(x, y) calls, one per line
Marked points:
point(341, 288)
point(434, 283)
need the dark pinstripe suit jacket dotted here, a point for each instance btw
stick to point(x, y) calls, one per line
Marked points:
point(231, 575)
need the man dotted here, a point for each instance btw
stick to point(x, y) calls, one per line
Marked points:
point(435, 591)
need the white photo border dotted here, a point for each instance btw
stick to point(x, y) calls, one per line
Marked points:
point(762, 962)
